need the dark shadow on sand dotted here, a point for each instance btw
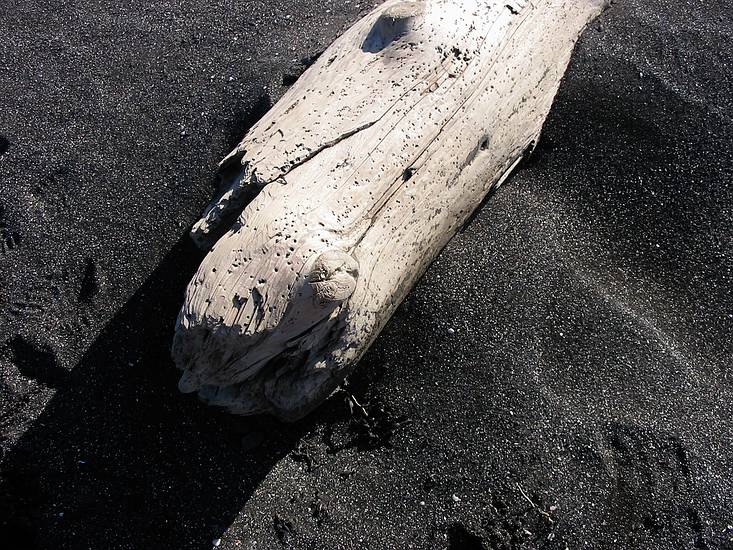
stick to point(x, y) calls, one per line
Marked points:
point(119, 458)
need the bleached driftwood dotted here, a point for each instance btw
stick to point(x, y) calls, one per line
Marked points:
point(367, 167)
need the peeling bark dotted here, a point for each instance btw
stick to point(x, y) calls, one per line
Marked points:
point(368, 166)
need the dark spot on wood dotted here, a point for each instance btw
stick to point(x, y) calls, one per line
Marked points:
point(408, 173)
point(511, 9)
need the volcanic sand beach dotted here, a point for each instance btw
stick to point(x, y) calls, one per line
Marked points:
point(560, 377)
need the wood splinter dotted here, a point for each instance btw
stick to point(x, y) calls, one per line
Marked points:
point(365, 169)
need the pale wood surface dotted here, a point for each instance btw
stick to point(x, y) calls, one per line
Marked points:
point(368, 165)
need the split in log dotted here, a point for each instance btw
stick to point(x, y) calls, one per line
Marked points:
point(365, 169)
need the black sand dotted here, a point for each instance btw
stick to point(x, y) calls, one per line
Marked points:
point(561, 377)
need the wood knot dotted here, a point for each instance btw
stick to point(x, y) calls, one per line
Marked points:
point(393, 23)
point(333, 277)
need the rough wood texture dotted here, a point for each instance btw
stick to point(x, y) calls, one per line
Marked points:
point(367, 167)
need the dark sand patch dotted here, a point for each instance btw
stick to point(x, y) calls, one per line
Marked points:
point(560, 376)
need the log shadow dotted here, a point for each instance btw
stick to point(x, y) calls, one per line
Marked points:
point(120, 459)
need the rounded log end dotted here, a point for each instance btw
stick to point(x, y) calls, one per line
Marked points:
point(189, 383)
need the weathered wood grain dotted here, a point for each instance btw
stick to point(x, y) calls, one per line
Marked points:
point(367, 167)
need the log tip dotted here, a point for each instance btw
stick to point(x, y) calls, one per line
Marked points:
point(189, 382)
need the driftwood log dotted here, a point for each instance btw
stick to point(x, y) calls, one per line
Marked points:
point(365, 169)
